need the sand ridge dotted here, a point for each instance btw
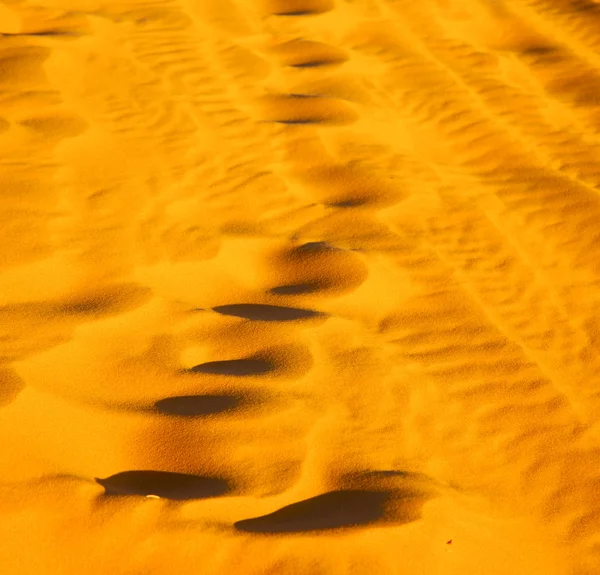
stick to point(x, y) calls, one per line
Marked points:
point(299, 286)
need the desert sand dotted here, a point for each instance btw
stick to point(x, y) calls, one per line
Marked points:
point(300, 287)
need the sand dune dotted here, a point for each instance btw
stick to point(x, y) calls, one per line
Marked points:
point(300, 287)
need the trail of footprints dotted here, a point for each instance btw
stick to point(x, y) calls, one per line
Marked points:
point(397, 501)
point(309, 267)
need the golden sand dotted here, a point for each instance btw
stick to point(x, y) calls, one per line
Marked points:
point(300, 287)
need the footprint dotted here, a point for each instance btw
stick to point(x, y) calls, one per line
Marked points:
point(407, 491)
point(315, 267)
point(52, 34)
point(263, 312)
point(306, 109)
point(177, 486)
point(248, 366)
point(297, 7)
point(10, 385)
point(353, 203)
point(103, 301)
point(309, 54)
point(585, 6)
point(348, 186)
point(539, 50)
point(55, 126)
point(22, 68)
point(316, 247)
point(332, 510)
point(282, 363)
point(195, 405)
point(315, 63)
point(297, 289)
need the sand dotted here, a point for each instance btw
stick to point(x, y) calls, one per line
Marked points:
point(300, 287)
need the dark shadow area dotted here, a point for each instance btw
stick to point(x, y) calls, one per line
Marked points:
point(195, 405)
point(327, 511)
point(389, 473)
point(263, 312)
point(315, 63)
point(292, 95)
point(11, 385)
point(315, 247)
point(299, 7)
point(349, 203)
point(239, 367)
point(177, 486)
point(407, 491)
point(296, 289)
point(539, 50)
point(301, 121)
point(297, 13)
point(53, 33)
point(585, 6)
point(45, 33)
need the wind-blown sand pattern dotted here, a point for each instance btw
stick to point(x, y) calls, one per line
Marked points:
point(300, 287)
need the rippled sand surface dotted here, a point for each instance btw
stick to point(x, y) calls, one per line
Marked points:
point(300, 287)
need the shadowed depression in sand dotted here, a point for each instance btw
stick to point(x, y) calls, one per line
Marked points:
point(300, 287)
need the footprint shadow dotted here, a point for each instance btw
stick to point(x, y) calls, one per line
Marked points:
point(263, 312)
point(198, 405)
point(166, 484)
point(314, 63)
point(380, 497)
point(306, 109)
point(299, 53)
point(298, 7)
point(236, 367)
point(11, 385)
point(297, 289)
point(332, 510)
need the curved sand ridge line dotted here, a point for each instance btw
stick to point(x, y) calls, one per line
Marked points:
point(299, 286)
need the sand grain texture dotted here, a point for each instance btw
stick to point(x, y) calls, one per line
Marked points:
point(300, 287)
